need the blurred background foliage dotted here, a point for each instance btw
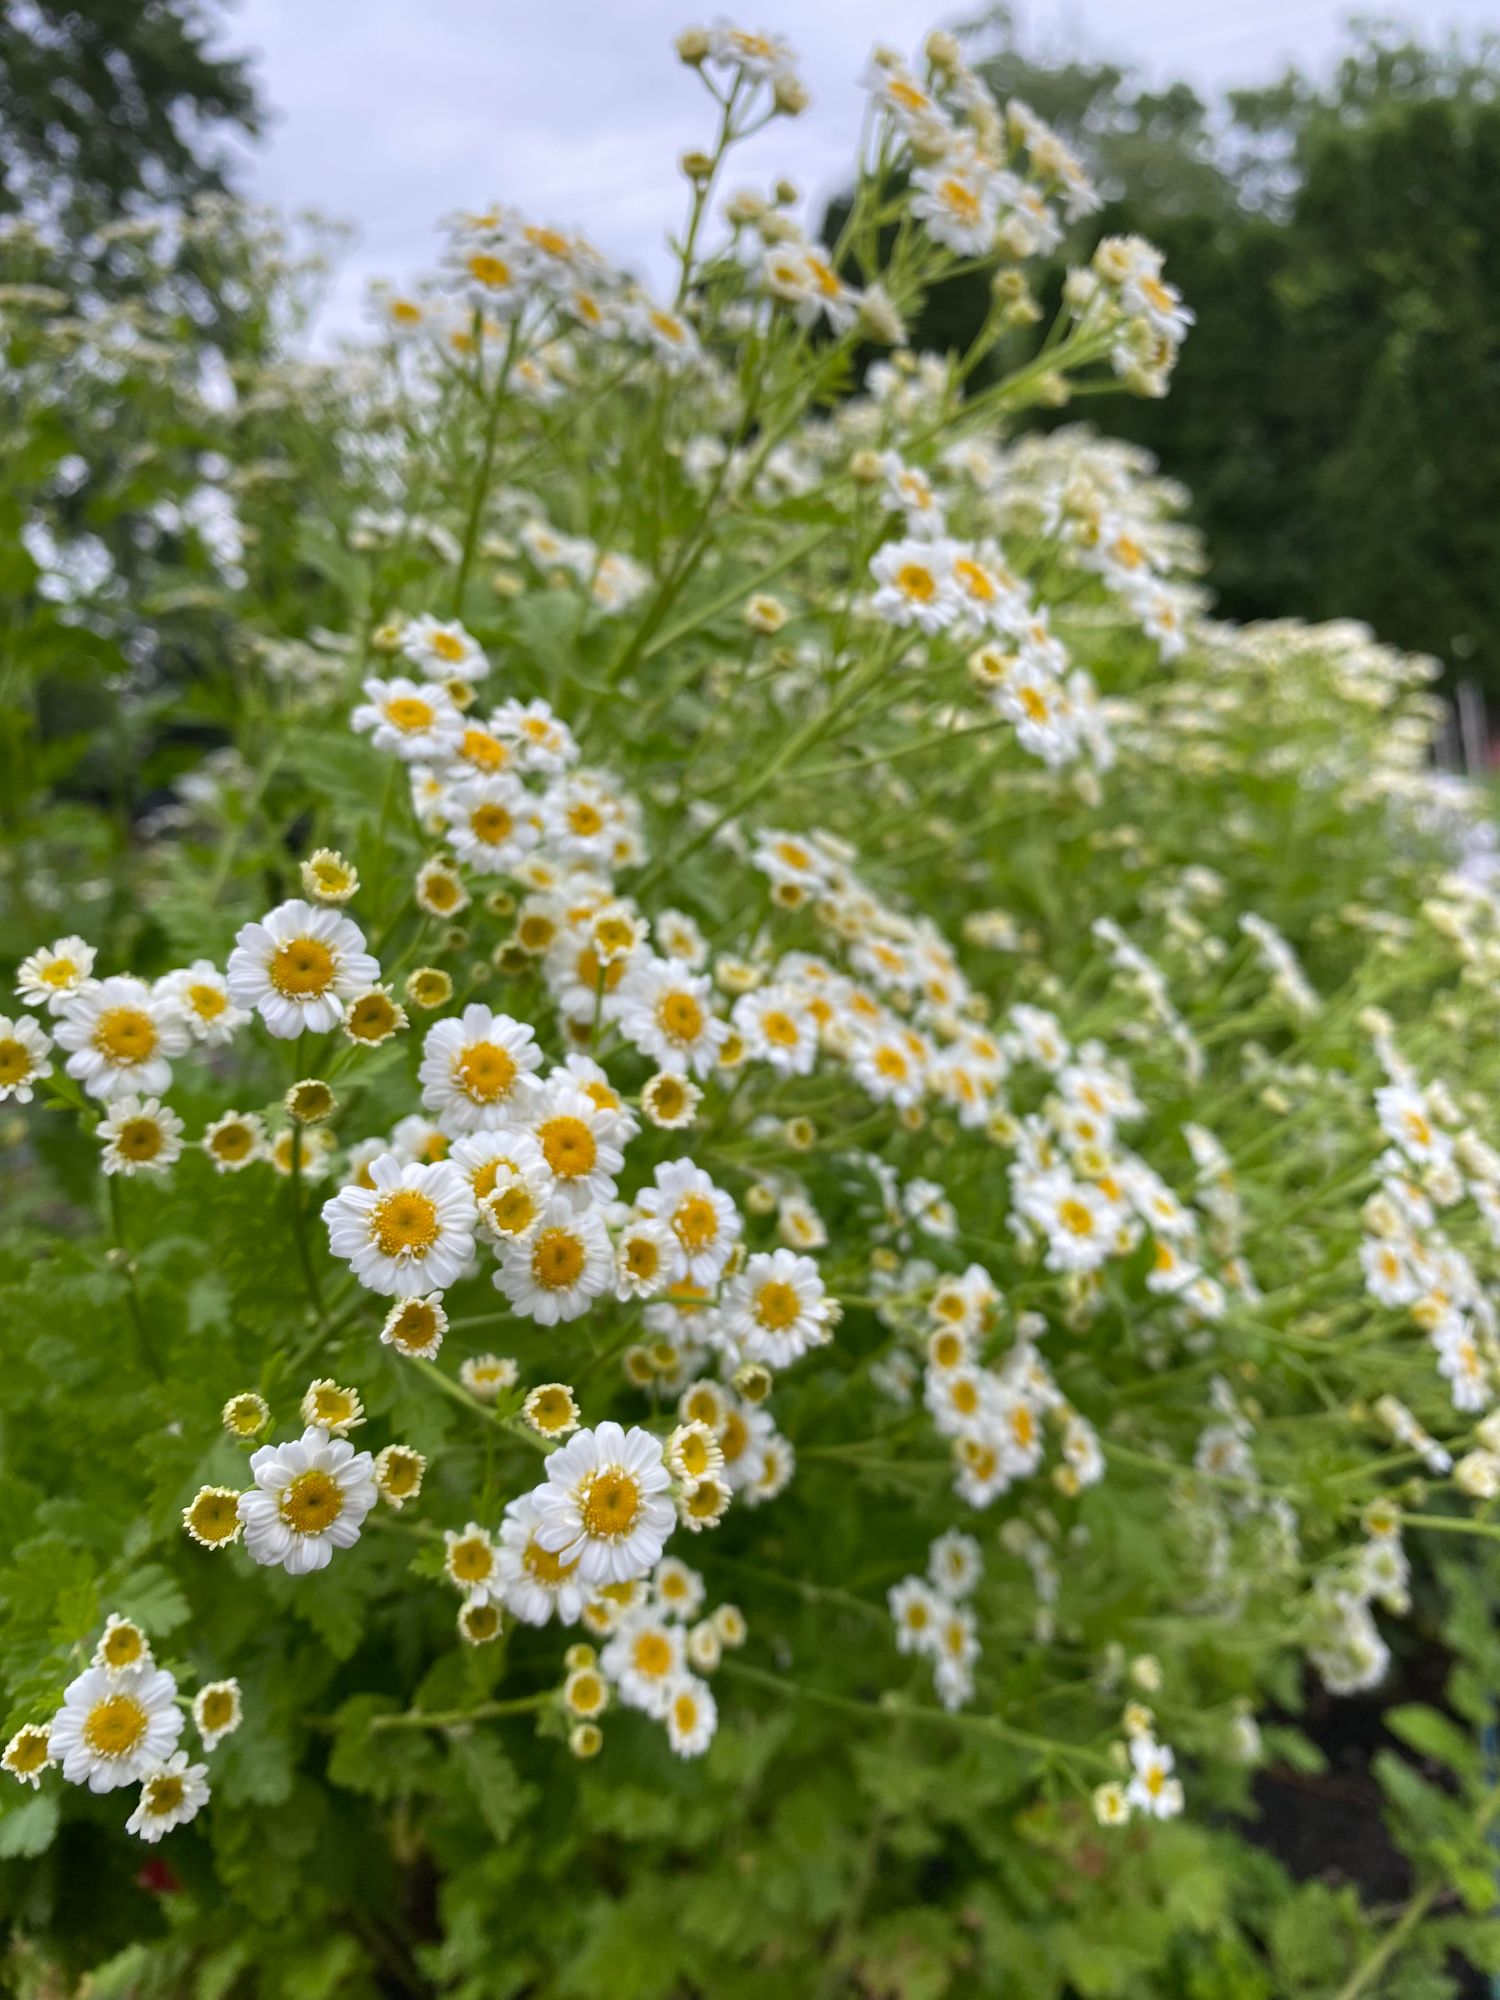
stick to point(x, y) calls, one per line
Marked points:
point(1334, 414)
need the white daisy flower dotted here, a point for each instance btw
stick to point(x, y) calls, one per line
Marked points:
point(605, 1504)
point(170, 1797)
point(953, 1564)
point(472, 1563)
point(574, 1136)
point(140, 1135)
point(777, 1308)
point(914, 584)
point(491, 823)
point(418, 724)
point(200, 994)
point(113, 1728)
point(644, 1657)
point(443, 652)
point(666, 1011)
point(778, 1028)
point(704, 1222)
point(298, 968)
point(28, 1755)
point(121, 1036)
point(50, 977)
point(409, 1233)
point(415, 1326)
point(234, 1140)
point(476, 1071)
point(217, 1711)
point(691, 1715)
point(24, 1049)
point(484, 1157)
point(1153, 1789)
point(563, 1265)
point(535, 1583)
point(310, 1497)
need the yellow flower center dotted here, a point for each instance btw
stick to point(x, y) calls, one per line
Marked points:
point(652, 1655)
point(61, 972)
point(551, 1409)
point(557, 1260)
point(975, 580)
point(513, 1211)
point(568, 1147)
point(471, 1561)
point(139, 1139)
point(216, 1708)
point(965, 1398)
point(916, 581)
point(312, 1502)
point(695, 1222)
point(15, 1061)
point(1035, 704)
point(704, 1502)
point(668, 1097)
point(668, 327)
point(405, 1223)
point(232, 1142)
point(164, 1794)
point(692, 1454)
point(402, 1474)
point(489, 270)
point(115, 1726)
point(123, 1646)
point(303, 968)
point(734, 1437)
point(125, 1034)
point(409, 712)
point(545, 1565)
point(207, 1002)
point(30, 1753)
point(779, 1028)
point(642, 1258)
point(680, 1016)
point(491, 824)
point(777, 1306)
point(482, 749)
point(332, 1406)
point(611, 1503)
point(1077, 1217)
point(486, 1072)
point(961, 199)
point(447, 645)
point(372, 1017)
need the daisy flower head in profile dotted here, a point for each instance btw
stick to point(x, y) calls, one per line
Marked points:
point(310, 1497)
point(217, 1711)
point(691, 1716)
point(121, 1037)
point(298, 968)
point(24, 1049)
point(51, 976)
point(408, 1234)
point(477, 1070)
point(115, 1727)
point(605, 1504)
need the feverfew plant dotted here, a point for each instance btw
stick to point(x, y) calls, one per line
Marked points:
point(743, 1177)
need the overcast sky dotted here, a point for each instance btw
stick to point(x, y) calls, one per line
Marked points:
point(390, 113)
